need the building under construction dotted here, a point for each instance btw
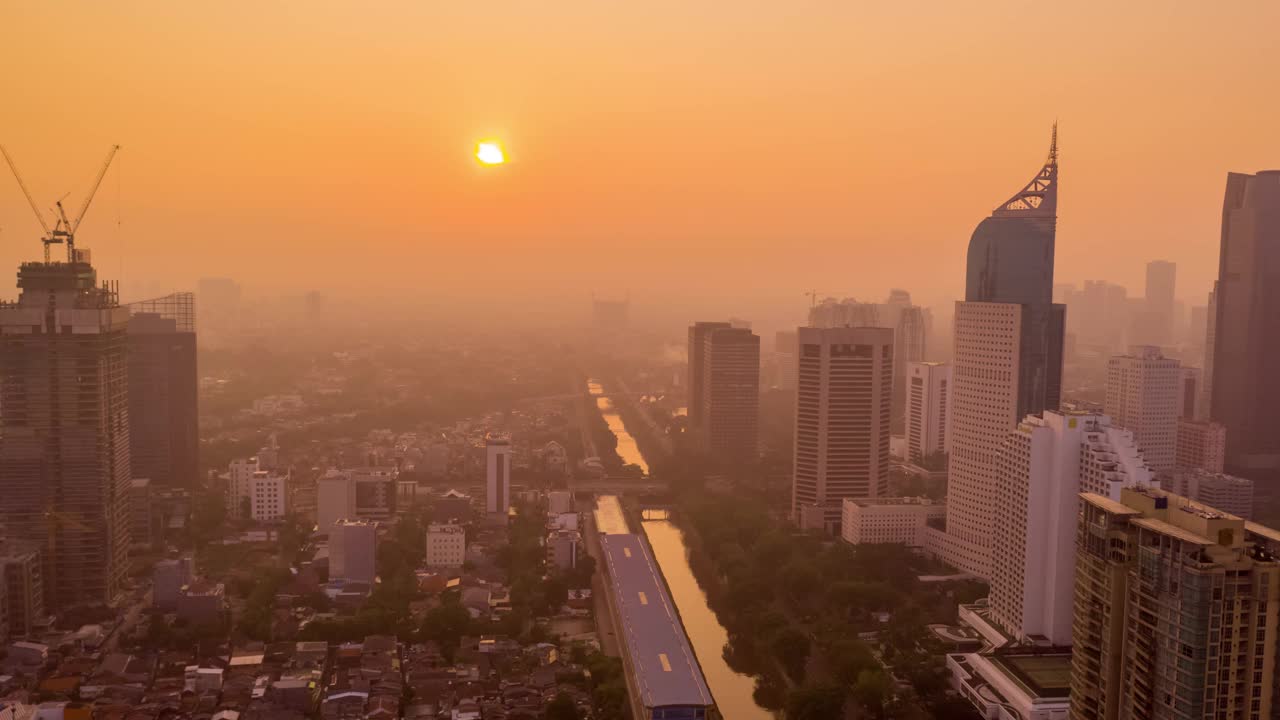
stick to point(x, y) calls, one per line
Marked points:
point(64, 447)
point(64, 415)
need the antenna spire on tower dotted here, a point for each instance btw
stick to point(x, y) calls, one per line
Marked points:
point(1053, 145)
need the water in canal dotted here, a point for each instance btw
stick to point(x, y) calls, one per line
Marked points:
point(627, 448)
point(732, 690)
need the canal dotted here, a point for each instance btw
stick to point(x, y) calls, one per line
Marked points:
point(628, 450)
point(732, 690)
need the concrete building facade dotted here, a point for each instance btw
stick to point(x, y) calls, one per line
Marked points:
point(446, 545)
point(888, 520)
point(1201, 444)
point(353, 546)
point(1228, 493)
point(727, 430)
point(164, 430)
point(497, 497)
point(843, 396)
point(928, 396)
point(1144, 395)
point(1043, 467)
point(1176, 611)
point(268, 497)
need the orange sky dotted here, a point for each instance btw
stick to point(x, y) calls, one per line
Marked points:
point(694, 149)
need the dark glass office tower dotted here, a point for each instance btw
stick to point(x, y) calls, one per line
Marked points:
point(1011, 261)
point(163, 412)
point(1246, 352)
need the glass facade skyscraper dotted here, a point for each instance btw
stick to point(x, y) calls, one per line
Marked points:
point(1246, 329)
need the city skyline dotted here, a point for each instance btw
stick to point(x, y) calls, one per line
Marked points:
point(397, 179)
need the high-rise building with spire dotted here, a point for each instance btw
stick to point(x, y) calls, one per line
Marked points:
point(1007, 362)
point(64, 428)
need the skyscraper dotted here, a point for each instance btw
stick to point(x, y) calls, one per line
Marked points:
point(1008, 357)
point(1159, 303)
point(843, 399)
point(1176, 609)
point(784, 354)
point(1204, 408)
point(497, 496)
point(697, 346)
point(928, 395)
point(730, 385)
point(1043, 467)
point(1144, 395)
point(164, 436)
point(64, 413)
point(1246, 386)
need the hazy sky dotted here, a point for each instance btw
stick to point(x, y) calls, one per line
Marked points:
point(693, 150)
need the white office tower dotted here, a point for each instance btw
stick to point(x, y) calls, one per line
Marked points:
point(843, 395)
point(497, 497)
point(1042, 468)
point(984, 407)
point(1144, 396)
point(353, 551)
point(269, 497)
point(928, 388)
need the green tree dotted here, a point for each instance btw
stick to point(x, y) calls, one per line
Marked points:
point(872, 691)
point(791, 646)
point(562, 708)
point(445, 625)
point(822, 702)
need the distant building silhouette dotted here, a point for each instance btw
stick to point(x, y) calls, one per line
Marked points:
point(729, 406)
point(164, 434)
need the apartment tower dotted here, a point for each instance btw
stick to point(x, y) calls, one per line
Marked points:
point(1144, 394)
point(843, 394)
point(1176, 606)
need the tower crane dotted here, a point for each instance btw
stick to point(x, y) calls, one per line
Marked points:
point(64, 229)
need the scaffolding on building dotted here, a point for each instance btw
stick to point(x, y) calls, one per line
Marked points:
point(179, 307)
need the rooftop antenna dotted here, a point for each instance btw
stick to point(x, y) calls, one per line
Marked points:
point(1053, 145)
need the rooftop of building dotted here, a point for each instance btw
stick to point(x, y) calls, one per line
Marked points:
point(871, 502)
point(445, 528)
point(666, 670)
point(1043, 674)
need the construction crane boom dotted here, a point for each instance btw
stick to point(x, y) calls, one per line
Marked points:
point(18, 176)
point(93, 190)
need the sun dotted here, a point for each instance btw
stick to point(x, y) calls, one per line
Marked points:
point(490, 153)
